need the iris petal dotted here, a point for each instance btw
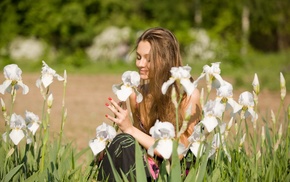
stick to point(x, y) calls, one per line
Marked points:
point(188, 86)
point(16, 136)
point(164, 147)
point(166, 85)
point(210, 123)
point(124, 93)
point(97, 146)
point(4, 86)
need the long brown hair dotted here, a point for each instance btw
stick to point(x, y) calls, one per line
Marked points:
point(164, 54)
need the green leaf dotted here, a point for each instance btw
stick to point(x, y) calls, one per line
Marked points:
point(202, 168)
point(78, 155)
point(269, 141)
point(140, 170)
point(116, 174)
point(191, 175)
point(12, 172)
point(124, 176)
point(33, 177)
point(175, 173)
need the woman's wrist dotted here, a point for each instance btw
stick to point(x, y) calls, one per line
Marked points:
point(129, 130)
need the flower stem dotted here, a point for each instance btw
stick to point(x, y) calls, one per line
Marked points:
point(63, 118)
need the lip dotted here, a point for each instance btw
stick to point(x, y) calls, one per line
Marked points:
point(142, 72)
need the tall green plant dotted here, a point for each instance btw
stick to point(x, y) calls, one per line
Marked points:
point(38, 158)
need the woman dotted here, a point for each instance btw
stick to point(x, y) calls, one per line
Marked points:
point(157, 52)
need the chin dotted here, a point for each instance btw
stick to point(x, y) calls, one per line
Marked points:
point(144, 77)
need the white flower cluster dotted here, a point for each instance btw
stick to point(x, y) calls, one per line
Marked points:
point(211, 132)
point(19, 127)
point(202, 48)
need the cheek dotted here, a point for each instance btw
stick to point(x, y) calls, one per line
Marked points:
point(148, 65)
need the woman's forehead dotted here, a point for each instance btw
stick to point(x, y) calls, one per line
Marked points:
point(143, 48)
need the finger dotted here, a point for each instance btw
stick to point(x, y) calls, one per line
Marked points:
point(116, 105)
point(112, 108)
point(114, 119)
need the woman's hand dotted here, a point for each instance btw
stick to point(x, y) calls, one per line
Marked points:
point(121, 115)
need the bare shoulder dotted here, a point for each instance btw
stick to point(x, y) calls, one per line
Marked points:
point(194, 97)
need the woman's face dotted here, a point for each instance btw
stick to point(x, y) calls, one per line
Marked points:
point(142, 60)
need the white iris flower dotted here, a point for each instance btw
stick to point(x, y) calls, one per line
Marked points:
point(181, 74)
point(32, 121)
point(246, 106)
point(225, 94)
point(12, 74)
point(104, 134)
point(47, 75)
point(17, 124)
point(212, 112)
point(131, 80)
point(163, 133)
point(212, 75)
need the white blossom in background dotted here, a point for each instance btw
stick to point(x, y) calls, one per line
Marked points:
point(131, 80)
point(245, 106)
point(163, 133)
point(12, 74)
point(111, 44)
point(47, 75)
point(104, 134)
point(212, 113)
point(32, 121)
point(21, 48)
point(17, 124)
point(181, 75)
point(212, 76)
point(202, 47)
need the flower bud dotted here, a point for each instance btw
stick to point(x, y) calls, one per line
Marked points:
point(3, 105)
point(49, 101)
point(263, 136)
point(256, 85)
point(283, 86)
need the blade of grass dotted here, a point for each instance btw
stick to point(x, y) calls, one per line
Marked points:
point(140, 172)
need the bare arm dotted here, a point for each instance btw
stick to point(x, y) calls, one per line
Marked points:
point(122, 119)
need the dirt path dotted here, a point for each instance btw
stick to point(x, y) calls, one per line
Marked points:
point(85, 100)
